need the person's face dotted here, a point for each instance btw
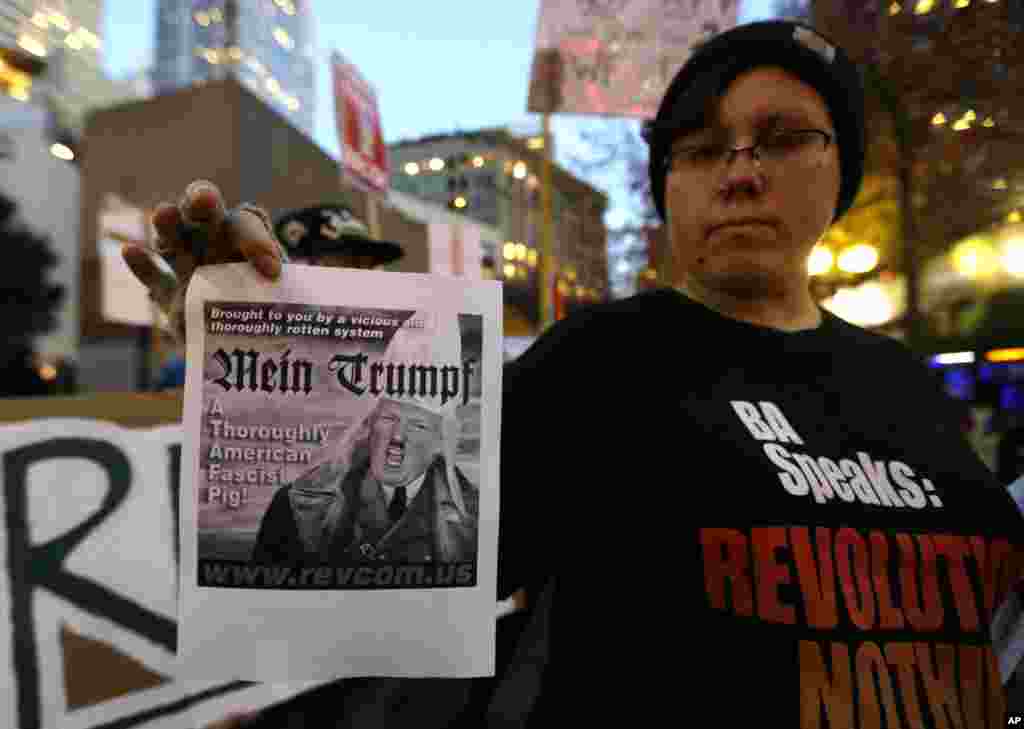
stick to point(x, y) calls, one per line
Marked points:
point(404, 439)
point(796, 202)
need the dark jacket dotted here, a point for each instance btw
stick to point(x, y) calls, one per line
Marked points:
point(433, 529)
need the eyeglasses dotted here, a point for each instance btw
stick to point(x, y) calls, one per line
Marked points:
point(790, 149)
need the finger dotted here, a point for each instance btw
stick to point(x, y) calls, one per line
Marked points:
point(166, 219)
point(254, 241)
point(202, 214)
point(203, 205)
point(160, 280)
point(170, 242)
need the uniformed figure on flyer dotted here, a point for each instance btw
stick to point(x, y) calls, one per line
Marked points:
point(394, 492)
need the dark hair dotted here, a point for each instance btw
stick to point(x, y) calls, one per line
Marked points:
point(695, 109)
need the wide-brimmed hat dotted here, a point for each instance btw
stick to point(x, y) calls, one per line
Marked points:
point(334, 228)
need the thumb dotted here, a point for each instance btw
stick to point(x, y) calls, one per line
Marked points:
point(147, 268)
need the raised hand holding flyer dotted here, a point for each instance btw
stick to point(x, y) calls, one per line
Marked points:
point(339, 501)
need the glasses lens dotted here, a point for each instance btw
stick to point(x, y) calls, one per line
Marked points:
point(793, 147)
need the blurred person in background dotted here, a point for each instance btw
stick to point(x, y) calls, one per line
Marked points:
point(30, 307)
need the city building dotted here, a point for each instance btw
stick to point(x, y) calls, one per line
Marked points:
point(237, 142)
point(266, 44)
point(63, 37)
point(481, 248)
point(137, 83)
point(494, 177)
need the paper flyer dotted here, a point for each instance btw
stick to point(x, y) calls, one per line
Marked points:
point(1008, 619)
point(339, 501)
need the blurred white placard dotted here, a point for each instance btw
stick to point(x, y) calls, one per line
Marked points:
point(124, 299)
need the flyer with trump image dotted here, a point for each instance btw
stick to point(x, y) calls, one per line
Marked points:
point(339, 495)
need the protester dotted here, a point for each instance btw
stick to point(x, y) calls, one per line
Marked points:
point(753, 511)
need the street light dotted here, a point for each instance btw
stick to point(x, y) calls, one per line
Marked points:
point(820, 261)
point(859, 258)
point(62, 151)
point(1013, 255)
point(975, 258)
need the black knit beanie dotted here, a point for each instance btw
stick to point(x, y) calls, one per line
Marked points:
point(796, 48)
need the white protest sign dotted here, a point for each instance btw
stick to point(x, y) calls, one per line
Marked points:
point(88, 583)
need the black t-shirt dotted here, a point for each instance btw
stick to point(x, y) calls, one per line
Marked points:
point(750, 527)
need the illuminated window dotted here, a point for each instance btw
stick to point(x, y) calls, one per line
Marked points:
point(283, 39)
point(32, 45)
point(203, 18)
point(216, 16)
point(88, 37)
point(61, 22)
